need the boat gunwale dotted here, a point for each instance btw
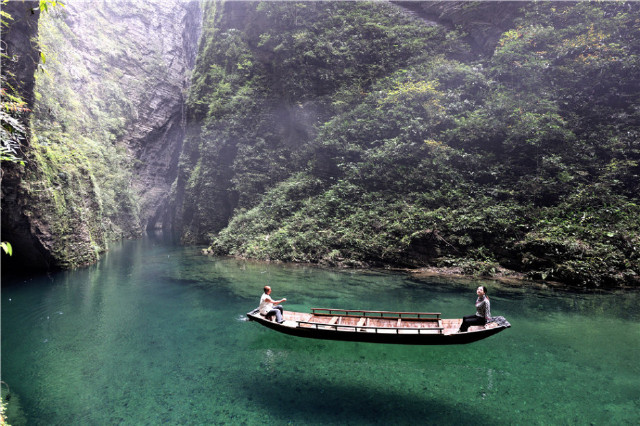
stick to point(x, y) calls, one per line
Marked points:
point(382, 314)
point(367, 327)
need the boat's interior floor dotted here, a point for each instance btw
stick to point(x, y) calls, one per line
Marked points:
point(356, 323)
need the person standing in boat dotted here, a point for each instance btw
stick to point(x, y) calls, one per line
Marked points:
point(483, 311)
point(268, 306)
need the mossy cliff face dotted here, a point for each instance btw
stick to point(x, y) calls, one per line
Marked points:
point(361, 134)
point(17, 37)
point(268, 76)
point(483, 22)
point(106, 127)
point(17, 69)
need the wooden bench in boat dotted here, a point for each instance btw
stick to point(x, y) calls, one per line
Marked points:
point(376, 314)
point(375, 321)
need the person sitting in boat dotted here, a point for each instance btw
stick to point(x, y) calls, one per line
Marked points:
point(268, 306)
point(483, 311)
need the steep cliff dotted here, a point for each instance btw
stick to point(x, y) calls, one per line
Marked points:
point(268, 76)
point(107, 128)
point(482, 22)
point(503, 139)
point(19, 62)
point(22, 57)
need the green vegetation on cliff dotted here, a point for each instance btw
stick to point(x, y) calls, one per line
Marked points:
point(355, 134)
point(105, 124)
point(78, 183)
point(266, 76)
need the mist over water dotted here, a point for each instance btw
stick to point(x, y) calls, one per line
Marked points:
point(155, 333)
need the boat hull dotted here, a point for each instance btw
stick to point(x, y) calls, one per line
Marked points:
point(370, 335)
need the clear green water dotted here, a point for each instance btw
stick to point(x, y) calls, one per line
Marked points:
point(154, 334)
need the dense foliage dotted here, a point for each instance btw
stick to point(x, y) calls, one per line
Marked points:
point(354, 134)
point(259, 92)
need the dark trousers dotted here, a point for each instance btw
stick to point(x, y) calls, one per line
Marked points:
point(470, 320)
point(277, 310)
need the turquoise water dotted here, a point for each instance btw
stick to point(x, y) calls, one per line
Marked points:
point(155, 334)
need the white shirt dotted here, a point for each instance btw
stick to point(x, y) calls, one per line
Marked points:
point(266, 304)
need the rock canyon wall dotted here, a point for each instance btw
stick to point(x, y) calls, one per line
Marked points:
point(106, 127)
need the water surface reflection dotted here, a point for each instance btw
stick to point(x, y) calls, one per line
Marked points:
point(151, 334)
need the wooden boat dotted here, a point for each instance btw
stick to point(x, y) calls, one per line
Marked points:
point(408, 328)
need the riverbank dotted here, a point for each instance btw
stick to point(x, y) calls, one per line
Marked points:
point(500, 275)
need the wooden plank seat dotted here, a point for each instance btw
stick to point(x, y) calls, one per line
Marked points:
point(424, 316)
point(384, 322)
point(378, 321)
